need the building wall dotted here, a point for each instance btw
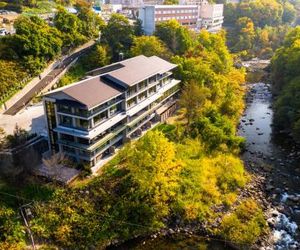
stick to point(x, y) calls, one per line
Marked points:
point(186, 15)
point(147, 16)
point(212, 17)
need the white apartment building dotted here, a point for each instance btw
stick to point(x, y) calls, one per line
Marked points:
point(212, 17)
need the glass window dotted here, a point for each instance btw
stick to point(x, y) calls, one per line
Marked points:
point(81, 112)
point(68, 149)
point(64, 108)
point(67, 137)
point(142, 84)
point(131, 91)
point(83, 141)
point(65, 120)
point(142, 96)
point(81, 123)
point(131, 102)
point(113, 109)
point(100, 117)
point(152, 90)
point(152, 79)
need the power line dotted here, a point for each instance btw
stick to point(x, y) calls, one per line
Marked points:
point(16, 196)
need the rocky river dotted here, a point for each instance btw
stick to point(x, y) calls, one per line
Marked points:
point(274, 162)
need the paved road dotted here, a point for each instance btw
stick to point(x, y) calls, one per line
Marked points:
point(42, 84)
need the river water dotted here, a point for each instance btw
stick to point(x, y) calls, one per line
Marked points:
point(272, 156)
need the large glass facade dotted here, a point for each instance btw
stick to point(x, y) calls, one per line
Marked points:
point(51, 122)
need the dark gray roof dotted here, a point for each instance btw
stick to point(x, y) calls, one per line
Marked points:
point(90, 92)
point(139, 68)
point(94, 91)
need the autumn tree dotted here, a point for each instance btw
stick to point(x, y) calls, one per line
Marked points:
point(192, 99)
point(153, 166)
point(245, 34)
point(99, 57)
point(245, 224)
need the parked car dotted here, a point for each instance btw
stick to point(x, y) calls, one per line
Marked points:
point(3, 32)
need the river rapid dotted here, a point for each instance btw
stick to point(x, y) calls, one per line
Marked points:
point(274, 162)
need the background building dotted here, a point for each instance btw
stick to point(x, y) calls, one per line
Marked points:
point(212, 17)
point(195, 17)
point(186, 15)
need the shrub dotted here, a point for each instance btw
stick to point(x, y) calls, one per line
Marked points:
point(244, 225)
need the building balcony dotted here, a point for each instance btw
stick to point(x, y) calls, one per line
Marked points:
point(94, 131)
point(139, 123)
point(149, 85)
point(85, 114)
point(73, 144)
point(132, 111)
point(107, 137)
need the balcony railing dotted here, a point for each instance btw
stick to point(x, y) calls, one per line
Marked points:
point(88, 113)
point(106, 138)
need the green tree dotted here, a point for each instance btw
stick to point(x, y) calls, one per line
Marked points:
point(148, 46)
point(91, 23)
point(12, 232)
point(286, 78)
point(70, 26)
point(118, 35)
point(176, 37)
point(35, 38)
point(99, 57)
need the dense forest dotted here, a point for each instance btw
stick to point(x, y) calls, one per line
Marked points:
point(286, 84)
point(35, 43)
point(188, 172)
point(257, 28)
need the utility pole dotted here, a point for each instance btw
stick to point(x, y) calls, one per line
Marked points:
point(27, 225)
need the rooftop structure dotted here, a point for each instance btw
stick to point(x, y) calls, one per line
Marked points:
point(88, 119)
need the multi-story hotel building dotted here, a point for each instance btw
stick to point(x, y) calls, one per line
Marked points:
point(88, 119)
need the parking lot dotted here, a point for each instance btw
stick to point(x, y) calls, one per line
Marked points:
point(31, 119)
